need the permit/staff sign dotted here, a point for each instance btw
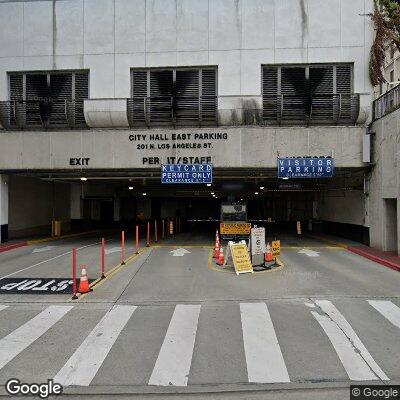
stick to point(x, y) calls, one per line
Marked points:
point(186, 173)
point(258, 241)
point(241, 258)
point(235, 228)
point(276, 248)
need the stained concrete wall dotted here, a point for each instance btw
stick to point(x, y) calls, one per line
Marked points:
point(31, 209)
point(345, 207)
point(111, 36)
point(384, 182)
point(238, 147)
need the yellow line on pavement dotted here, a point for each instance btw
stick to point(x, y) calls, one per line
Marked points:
point(323, 239)
point(200, 246)
point(50, 239)
point(98, 282)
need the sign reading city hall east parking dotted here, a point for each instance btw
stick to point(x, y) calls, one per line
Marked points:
point(305, 167)
point(186, 173)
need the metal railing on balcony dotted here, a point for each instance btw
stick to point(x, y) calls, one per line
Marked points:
point(387, 103)
point(47, 114)
point(337, 109)
point(170, 110)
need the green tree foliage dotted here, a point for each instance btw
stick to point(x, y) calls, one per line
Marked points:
point(386, 18)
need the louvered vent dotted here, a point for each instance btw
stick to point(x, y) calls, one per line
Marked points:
point(183, 97)
point(270, 93)
point(315, 94)
point(186, 102)
point(48, 99)
point(209, 107)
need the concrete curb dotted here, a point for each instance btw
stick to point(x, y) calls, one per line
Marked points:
point(12, 246)
point(375, 258)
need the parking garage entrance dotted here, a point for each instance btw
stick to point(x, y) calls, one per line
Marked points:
point(113, 199)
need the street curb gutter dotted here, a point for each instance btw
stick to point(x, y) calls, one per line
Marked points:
point(12, 246)
point(377, 259)
point(359, 251)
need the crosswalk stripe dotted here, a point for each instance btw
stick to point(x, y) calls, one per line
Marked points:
point(355, 357)
point(25, 335)
point(265, 363)
point(174, 360)
point(389, 310)
point(83, 365)
point(2, 307)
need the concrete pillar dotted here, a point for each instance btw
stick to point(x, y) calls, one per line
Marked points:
point(76, 201)
point(3, 208)
point(117, 209)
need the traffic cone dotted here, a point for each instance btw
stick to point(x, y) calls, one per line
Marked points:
point(268, 254)
point(221, 259)
point(216, 248)
point(84, 282)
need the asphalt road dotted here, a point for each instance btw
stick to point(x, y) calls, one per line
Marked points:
point(170, 326)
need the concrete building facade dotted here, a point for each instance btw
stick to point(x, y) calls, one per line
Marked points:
point(112, 89)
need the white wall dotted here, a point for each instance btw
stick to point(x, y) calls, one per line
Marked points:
point(111, 36)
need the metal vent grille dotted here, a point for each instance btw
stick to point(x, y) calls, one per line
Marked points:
point(343, 79)
point(270, 93)
point(48, 99)
point(186, 102)
point(208, 103)
point(319, 94)
point(184, 97)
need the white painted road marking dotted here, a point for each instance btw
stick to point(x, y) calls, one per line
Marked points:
point(389, 310)
point(309, 253)
point(112, 250)
point(264, 359)
point(356, 359)
point(50, 259)
point(83, 365)
point(2, 307)
point(43, 249)
point(179, 252)
point(175, 358)
point(25, 335)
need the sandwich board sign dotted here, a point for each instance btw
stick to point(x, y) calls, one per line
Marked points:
point(276, 248)
point(241, 257)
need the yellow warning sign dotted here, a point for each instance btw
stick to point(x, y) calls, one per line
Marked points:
point(276, 248)
point(235, 228)
point(241, 258)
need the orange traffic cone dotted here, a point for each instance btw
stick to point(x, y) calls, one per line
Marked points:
point(268, 254)
point(84, 282)
point(221, 259)
point(216, 248)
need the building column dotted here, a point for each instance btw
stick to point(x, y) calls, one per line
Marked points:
point(117, 215)
point(3, 208)
point(76, 206)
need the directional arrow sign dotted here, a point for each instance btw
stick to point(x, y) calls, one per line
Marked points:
point(112, 250)
point(42, 249)
point(179, 252)
point(309, 253)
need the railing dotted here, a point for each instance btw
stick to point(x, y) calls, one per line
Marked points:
point(169, 110)
point(48, 114)
point(387, 103)
point(337, 109)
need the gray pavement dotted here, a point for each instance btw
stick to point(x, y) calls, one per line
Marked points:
point(315, 306)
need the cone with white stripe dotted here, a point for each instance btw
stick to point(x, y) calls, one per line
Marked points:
point(84, 281)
